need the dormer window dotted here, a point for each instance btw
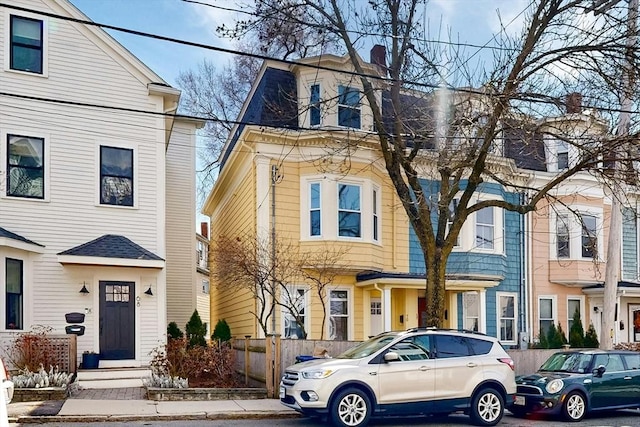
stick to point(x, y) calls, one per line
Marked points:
point(348, 107)
point(314, 105)
point(562, 155)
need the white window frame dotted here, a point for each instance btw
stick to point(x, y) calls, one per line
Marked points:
point(454, 205)
point(136, 172)
point(555, 147)
point(554, 310)
point(4, 153)
point(315, 105)
point(45, 43)
point(206, 287)
point(466, 317)
point(580, 300)
point(375, 217)
point(302, 293)
point(565, 220)
point(575, 233)
point(488, 226)
point(312, 209)
point(329, 204)
point(358, 107)
point(347, 210)
point(499, 317)
point(348, 315)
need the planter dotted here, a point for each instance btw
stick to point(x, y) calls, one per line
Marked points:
point(39, 394)
point(90, 360)
point(173, 394)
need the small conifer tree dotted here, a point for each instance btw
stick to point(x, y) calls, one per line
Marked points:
point(576, 332)
point(173, 331)
point(196, 330)
point(591, 338)
point(222, 331)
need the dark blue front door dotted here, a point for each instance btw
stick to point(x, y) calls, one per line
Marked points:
point(117, 320)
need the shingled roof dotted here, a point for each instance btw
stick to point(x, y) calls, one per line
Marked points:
point(9, 235)
point(112, 246)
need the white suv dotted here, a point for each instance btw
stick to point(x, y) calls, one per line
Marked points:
point(415, 372)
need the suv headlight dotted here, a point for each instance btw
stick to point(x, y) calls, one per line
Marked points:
point(317, 374)
point(555, 386)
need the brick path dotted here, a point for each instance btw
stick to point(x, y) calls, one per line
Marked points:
point(129, 393)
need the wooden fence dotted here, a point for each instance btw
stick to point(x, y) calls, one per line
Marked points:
point(263, 361)
point(61, 348)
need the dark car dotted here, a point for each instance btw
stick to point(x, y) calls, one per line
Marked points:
point(573, 383)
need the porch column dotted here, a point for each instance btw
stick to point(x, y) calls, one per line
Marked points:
point(482, 297)
point(386, 309)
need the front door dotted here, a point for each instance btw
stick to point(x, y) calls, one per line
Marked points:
point(634, 320)
point(117, 320)
point(376, 316)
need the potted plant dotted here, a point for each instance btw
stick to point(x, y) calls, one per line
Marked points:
point(90, 360)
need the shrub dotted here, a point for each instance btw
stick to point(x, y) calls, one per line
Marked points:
point(222, 331)
point(576, 332)
point(162, 381)
point(591, 338)
point(196, 330)
point(202, 366)
point(29, 351)
point(173, 331)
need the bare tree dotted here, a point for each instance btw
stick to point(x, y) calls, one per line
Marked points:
point(274, 279)
point(451, 123)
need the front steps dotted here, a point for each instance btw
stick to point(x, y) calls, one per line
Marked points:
point(112, 377)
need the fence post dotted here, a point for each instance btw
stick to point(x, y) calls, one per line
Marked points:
point(246, 359)
point(269, 365)
point(276, 366)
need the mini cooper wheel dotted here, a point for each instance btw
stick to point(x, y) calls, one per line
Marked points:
point(351, 408)
point(575, 407)
point(487, 407)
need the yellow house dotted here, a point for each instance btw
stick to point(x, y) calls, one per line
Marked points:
point(303, 164)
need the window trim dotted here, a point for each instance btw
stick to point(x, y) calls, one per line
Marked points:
point(345, 88)
point(44, 167)
point(44, 42)
point(22, 294)
point(348, 316)
point(580, 300)
point(375, 220)
point(491, 226)
point(499, 317)
point(315, 105)
point(311, 209)
point(306, 307)
point(567, 227)
point(554, 310)
point(575, 232)
point(98, 171)
point(339, 210)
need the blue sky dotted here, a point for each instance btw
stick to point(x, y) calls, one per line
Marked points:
point(473, 20)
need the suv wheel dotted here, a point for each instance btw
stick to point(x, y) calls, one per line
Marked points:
point(351, 408)
point(487, 407)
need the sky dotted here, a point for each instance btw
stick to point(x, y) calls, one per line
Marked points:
point(471, 21)
point(474, 20)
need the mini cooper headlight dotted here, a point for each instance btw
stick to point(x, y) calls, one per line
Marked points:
point(555, 386)
point(317, 374)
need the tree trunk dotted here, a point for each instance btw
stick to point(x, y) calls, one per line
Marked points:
point(435, 289)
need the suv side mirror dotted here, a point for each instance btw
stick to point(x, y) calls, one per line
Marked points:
point(391, 356)
point(599, 371)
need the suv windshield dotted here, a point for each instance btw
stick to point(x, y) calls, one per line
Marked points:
point(367, 348)
point(577, 363)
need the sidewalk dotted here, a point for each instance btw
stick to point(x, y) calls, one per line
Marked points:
point(129, 405)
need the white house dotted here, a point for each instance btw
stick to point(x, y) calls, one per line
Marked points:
point(88, 155)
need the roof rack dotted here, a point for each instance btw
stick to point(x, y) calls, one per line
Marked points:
point(433, 328)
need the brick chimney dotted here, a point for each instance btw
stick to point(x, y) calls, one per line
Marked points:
point(204, 229)
point(574, 103)
point(378, 56)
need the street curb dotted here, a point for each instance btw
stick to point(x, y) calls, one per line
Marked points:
point(249, 415)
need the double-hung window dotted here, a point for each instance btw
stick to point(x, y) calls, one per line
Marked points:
point(562, 155)
point(339, 315)
point(314, 105)
point(563, 237)
point(294, 315)
point(348, 107)
point(349, 214)
point(589, 236)
point(14, 294)
point(484, 228)
point(116, 176)
point(453, 208)
point(471, 310)
point(573, 305)
point(25, 167)
point(26, 44)
point(545, 314)
point(507, 310)
point(376, 216)
point(315, 210)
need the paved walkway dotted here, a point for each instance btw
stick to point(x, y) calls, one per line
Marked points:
point(130, 393)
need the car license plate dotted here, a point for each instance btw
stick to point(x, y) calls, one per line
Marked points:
point(519, 401)
point(282, 393)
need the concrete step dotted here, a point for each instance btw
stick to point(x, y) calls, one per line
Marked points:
point(112, 377)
